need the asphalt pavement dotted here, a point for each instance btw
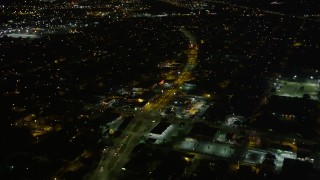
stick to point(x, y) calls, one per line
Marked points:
point(116, 157)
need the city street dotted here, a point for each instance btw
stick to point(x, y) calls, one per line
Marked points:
point(114, 159)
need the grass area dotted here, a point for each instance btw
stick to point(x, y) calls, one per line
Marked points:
point(296, 89)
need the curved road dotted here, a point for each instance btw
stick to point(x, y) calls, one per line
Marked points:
point(116, 157)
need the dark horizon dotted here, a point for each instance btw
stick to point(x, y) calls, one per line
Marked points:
point(159, 89)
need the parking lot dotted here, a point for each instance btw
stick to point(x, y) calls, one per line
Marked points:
point(204, 147)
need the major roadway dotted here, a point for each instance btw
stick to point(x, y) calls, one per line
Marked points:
point(115, 158)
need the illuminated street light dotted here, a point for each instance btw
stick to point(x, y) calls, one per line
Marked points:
point(295, 76)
